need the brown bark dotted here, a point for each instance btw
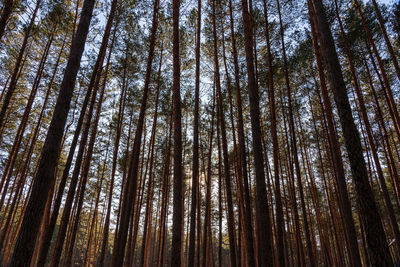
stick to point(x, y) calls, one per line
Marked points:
point(14, 77)
point(129, 194)
point(378, 248)
point(122, 104)
point(369, 132)
point(242, 170)
point(205, 248)
point(264, 234)
point(93, 87)
point(5, 14)
point(178, 170)
point(89, 152)
point(294, 146)
point(221, 120)
point(33, 215)
point(148, 213)
point(335, 150)
point(195, 167)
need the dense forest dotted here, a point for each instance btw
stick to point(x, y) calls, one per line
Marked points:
point(199, 133)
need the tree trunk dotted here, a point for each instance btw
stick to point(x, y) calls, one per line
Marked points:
point(14, 76)
point(221, 119)
point(24, 246)
point(5, 14)
point(129, 194)
point(195, 171)
point(264, 236)
point(376, 239)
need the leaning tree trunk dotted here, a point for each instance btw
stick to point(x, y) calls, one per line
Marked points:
point(370, 136)
point(378, 248)
point(131, 182)
point(14, 77)
point(344, 201)
point(5, 14)
point(32, 218)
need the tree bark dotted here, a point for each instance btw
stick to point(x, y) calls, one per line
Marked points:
point(264, 236)
point(129, 194)
point(14, 76)
point(5, 14)
point(376, 239)
point(195, 167)
point(24, 246)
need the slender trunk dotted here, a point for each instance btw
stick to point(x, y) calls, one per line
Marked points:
point(369, 132)
point(208, 191)
point(195, 171)
point(294, 145)
point(122, 104)
point(279, 211)
point(14, 76)
point(178, 169)
point(24, 246)
point(227, 175)
point(147, 229)
point(5, 14)
point(129, 194)
point(89, 153)
point(371, 219)
point(264, 236)
point(242, 147)
point(96, 206)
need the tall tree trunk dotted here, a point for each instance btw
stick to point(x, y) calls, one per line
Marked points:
point(93, 87)
point(195, 171)
point(294, 145)
point(121, 110)
point(242, 147)
point(279, 210)
point(178, 170)
point(371, 219)
point(129, 194)
point(5, 14)
point(264, 236)
point(227, 175)
point(147, 225)
point(370, 135)
point(17, 66)
point(208, 189)
point(24, 246)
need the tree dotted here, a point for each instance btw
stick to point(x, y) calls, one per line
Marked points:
point(264, 235)
point(178, 172)
point(45, 174)
point(378, 248)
